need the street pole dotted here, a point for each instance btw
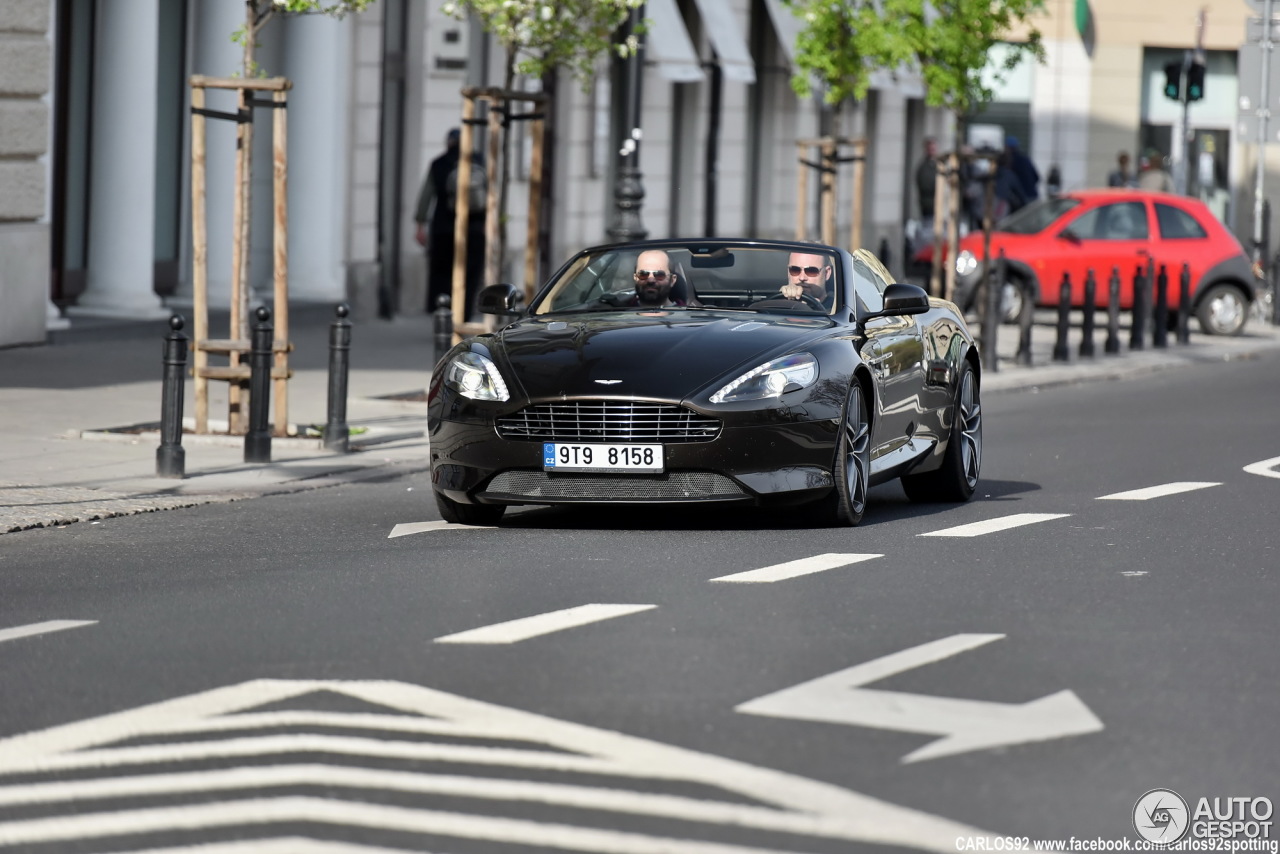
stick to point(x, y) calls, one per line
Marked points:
point(628, 189)
point(1181, 147)
point(1264, 112)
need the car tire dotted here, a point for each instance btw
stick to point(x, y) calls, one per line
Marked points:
point(469, 514)
point(957, 478)
point(851, 470)
point(1223, 310)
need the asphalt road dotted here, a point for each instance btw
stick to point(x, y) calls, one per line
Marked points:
point(1145, 624)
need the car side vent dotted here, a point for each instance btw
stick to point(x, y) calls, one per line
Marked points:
point(608, 421)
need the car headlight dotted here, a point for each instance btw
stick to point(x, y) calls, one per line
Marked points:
point(771, 379)
point(474, 376)
point(966, 263)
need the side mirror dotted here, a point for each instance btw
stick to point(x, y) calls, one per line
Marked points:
point(1070, 236)
point(501, 299)
point(904, 299)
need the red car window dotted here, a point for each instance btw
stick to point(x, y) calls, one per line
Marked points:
point(1119, 221)
point(1177, 224)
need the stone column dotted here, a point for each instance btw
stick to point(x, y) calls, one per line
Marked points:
point(122, 186)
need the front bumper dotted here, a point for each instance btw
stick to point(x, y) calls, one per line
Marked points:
point(785, 462)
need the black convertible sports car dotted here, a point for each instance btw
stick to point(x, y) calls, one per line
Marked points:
point(698, 380)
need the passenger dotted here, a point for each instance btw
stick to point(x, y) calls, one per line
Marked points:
point(654, 280)
point(809, 275)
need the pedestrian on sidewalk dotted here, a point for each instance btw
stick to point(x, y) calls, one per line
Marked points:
point(435, 215)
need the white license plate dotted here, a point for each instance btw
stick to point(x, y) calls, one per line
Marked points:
point(563, 456)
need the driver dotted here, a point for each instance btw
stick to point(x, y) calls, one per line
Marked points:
point(808, 275)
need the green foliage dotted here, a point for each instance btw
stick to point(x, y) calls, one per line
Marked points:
point(541, 35)
point(845, 41)
point(258, 12)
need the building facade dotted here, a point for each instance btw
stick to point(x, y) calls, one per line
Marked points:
point(96, 140)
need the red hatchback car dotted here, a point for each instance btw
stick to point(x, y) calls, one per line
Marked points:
point(1104, 230)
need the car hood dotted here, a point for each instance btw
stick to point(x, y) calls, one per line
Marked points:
point(630, 355)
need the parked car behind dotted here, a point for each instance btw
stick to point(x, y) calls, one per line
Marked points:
point(1119, 229)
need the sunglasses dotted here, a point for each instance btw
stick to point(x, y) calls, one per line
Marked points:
point(658, 275)
point(808, 271)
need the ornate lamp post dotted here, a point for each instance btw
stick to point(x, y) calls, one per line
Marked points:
point(628, 188)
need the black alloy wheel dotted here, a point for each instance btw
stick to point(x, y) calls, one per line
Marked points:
point(852, 469)
point(957, 478)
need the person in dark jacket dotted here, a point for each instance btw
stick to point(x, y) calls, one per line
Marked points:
point(435, 214)
point(1025, 171)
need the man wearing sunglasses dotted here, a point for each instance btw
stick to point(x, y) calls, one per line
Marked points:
point(654, 279)
point(810, 276)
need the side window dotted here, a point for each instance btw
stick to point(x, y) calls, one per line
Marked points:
point(868, 286)
point(1119, 221)
point(1177, 224)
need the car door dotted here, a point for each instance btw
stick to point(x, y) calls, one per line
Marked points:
point(1182, 239)
point(894, 350)
point(1102, 237)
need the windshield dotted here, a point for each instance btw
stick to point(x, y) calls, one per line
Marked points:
point(740, 278)
point(1037, 216)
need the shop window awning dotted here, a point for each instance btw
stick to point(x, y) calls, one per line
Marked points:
point(726, 37)
point(667, 43)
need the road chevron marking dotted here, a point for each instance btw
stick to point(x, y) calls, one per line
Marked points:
point(991, 526)
point(964, 725)
point(795, 568)
point(775, 799)
point(1266, 468)
point(404, 529)
point(524, 628)
point(1149, 492)
point(43, 628)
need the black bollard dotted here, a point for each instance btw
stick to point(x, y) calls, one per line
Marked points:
point(1184, 305)
point(1113, 314)
point(1025, 319)
point(1086, 328)
point(337, 436)
point(1138, 322)
point(1160, 325)
point(1061, 352)
point(442, 319)
point(257, 442)
point(170, 457)
point(991, 314)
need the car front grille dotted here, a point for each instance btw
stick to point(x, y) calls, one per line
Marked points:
point(673, 486)
point(608, 421)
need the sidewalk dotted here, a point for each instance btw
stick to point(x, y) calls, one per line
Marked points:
point(60, 407)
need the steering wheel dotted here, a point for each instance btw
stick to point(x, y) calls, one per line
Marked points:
point(804, 298)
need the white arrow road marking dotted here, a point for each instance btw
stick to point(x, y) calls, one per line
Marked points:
point(990, 526)
point(42, 628)
point(1149, 492)
point(759, 797)
point(404, 529)
point(1266, 468)
point(524, 628)
point(964, 724)
point(792, 569)
point(281, 845)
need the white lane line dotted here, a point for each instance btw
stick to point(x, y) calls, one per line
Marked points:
point(542, 624)
point(42, 628)
point(277, 845)
point(990, 526)
point(406, 528)
point(794, 568)
point(1266, 468)
point(1149, 492)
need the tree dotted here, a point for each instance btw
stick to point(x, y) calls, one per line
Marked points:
point(542, 37)
point(258, 13)
point(947, 41)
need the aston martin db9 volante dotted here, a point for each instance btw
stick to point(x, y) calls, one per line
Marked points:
point(708, 370)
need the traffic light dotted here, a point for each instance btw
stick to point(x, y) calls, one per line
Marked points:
point(1195, 81)
point(1173, 80)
